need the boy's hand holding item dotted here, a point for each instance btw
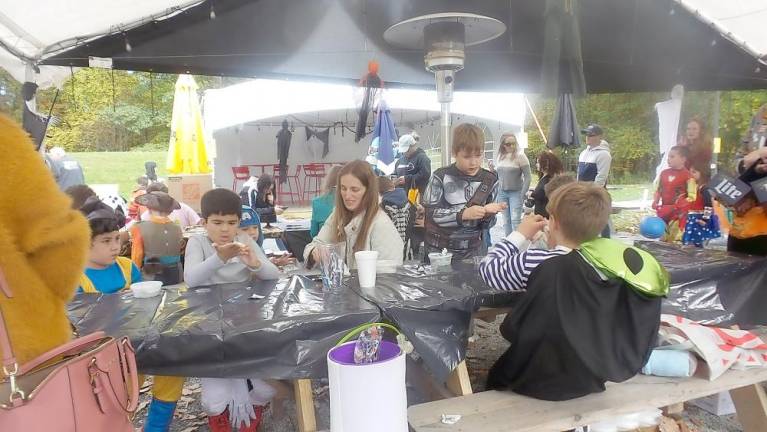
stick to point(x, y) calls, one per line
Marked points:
point(228, 251)
point(249, 258)
point(531, 226)
point(473, 213)
point(494, 208)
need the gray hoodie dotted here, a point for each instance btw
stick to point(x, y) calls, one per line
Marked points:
point(594, 164)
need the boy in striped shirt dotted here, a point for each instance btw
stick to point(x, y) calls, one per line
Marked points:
point(574, 328)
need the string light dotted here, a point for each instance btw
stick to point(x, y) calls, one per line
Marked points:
point(128, 46)
point(713, 42)
point(212, 12)
point(672, 11)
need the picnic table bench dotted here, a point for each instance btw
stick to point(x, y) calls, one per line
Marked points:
point(506, 411)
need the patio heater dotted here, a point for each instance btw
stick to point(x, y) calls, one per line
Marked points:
point(444, 37)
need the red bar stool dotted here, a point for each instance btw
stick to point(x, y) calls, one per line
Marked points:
point(314, 173)
point(241, 174)
point(287, 188)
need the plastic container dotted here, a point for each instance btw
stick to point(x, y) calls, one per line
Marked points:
point(332, 265)
point(440, 260)
point(146, 289)
point(367, 397)
point(366, 267)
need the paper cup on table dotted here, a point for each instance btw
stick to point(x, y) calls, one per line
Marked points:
point(366, 267)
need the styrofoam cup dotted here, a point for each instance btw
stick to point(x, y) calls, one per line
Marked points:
point(366, 267)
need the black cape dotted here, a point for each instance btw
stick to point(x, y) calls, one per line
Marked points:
point(573, 331)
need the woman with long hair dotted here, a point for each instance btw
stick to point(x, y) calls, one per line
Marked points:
point(357, 220)
point(698, 141)
point(513, 169)
point(548, 166)
point(322, 205)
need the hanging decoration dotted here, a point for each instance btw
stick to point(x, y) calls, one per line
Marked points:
point(322, 136)
point(283, 148)
point(371, 86)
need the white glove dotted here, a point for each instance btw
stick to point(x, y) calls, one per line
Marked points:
point(240, 408)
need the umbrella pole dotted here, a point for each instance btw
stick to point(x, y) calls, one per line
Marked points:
point(445, 133)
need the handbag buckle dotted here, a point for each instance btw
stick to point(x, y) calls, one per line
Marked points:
point(17, 394)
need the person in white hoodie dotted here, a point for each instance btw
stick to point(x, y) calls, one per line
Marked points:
point(357, 220)
point(594, 161)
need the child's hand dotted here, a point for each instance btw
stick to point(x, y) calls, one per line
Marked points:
point(702, 222)
point(473, 213)
point(531, 225)
point(283, 260)
point(227, 251)
point(249, 258)
point(494, 208)
point(278, 210)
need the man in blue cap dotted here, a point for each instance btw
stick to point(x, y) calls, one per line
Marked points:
point(594, 161)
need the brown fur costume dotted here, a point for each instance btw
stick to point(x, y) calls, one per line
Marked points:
point(43, 247)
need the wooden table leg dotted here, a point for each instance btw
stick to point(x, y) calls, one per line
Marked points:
point(751, 406)
point(458, 382)
point(302, 389)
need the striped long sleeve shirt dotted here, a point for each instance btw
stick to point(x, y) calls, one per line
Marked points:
point(509, 264)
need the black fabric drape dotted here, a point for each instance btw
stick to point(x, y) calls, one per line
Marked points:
point(283, 149)
point(323, 136)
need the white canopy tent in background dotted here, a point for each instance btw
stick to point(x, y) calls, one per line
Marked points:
point(263, 99)
point(238, 118)
point(31, 31)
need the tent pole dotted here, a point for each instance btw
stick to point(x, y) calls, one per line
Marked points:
point(717, 139)
point(538, 124)
point(445, 133)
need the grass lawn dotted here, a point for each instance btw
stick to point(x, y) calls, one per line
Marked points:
point(630, 192)
point(120, 168)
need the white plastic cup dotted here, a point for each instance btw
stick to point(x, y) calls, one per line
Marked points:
point(366, 267)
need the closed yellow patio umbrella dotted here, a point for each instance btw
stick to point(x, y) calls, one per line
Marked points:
point(186, 152)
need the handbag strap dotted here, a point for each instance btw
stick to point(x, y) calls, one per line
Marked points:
point(9, 360)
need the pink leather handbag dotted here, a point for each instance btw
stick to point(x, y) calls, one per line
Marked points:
point(87, 385)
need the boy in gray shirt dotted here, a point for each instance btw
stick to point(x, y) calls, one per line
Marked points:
point(224, 255)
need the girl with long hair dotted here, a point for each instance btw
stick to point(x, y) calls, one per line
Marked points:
point(513, 169)
point(264, 202)
point(548, 166)
point(357, 220)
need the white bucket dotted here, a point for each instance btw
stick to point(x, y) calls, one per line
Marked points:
point(367, 397)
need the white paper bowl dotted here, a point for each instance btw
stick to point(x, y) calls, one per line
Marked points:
point(146, 289)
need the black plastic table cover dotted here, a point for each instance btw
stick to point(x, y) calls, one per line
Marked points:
point(433, 309)
point(713, 287)
point(220, 331)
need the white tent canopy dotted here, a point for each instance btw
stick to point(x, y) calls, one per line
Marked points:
point(32, 31)
point(35, 30)
point(263, 99)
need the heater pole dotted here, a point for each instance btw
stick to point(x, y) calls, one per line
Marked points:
point(445, 133)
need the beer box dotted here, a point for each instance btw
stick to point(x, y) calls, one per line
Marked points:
point(728, 190)
point(760, 190)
